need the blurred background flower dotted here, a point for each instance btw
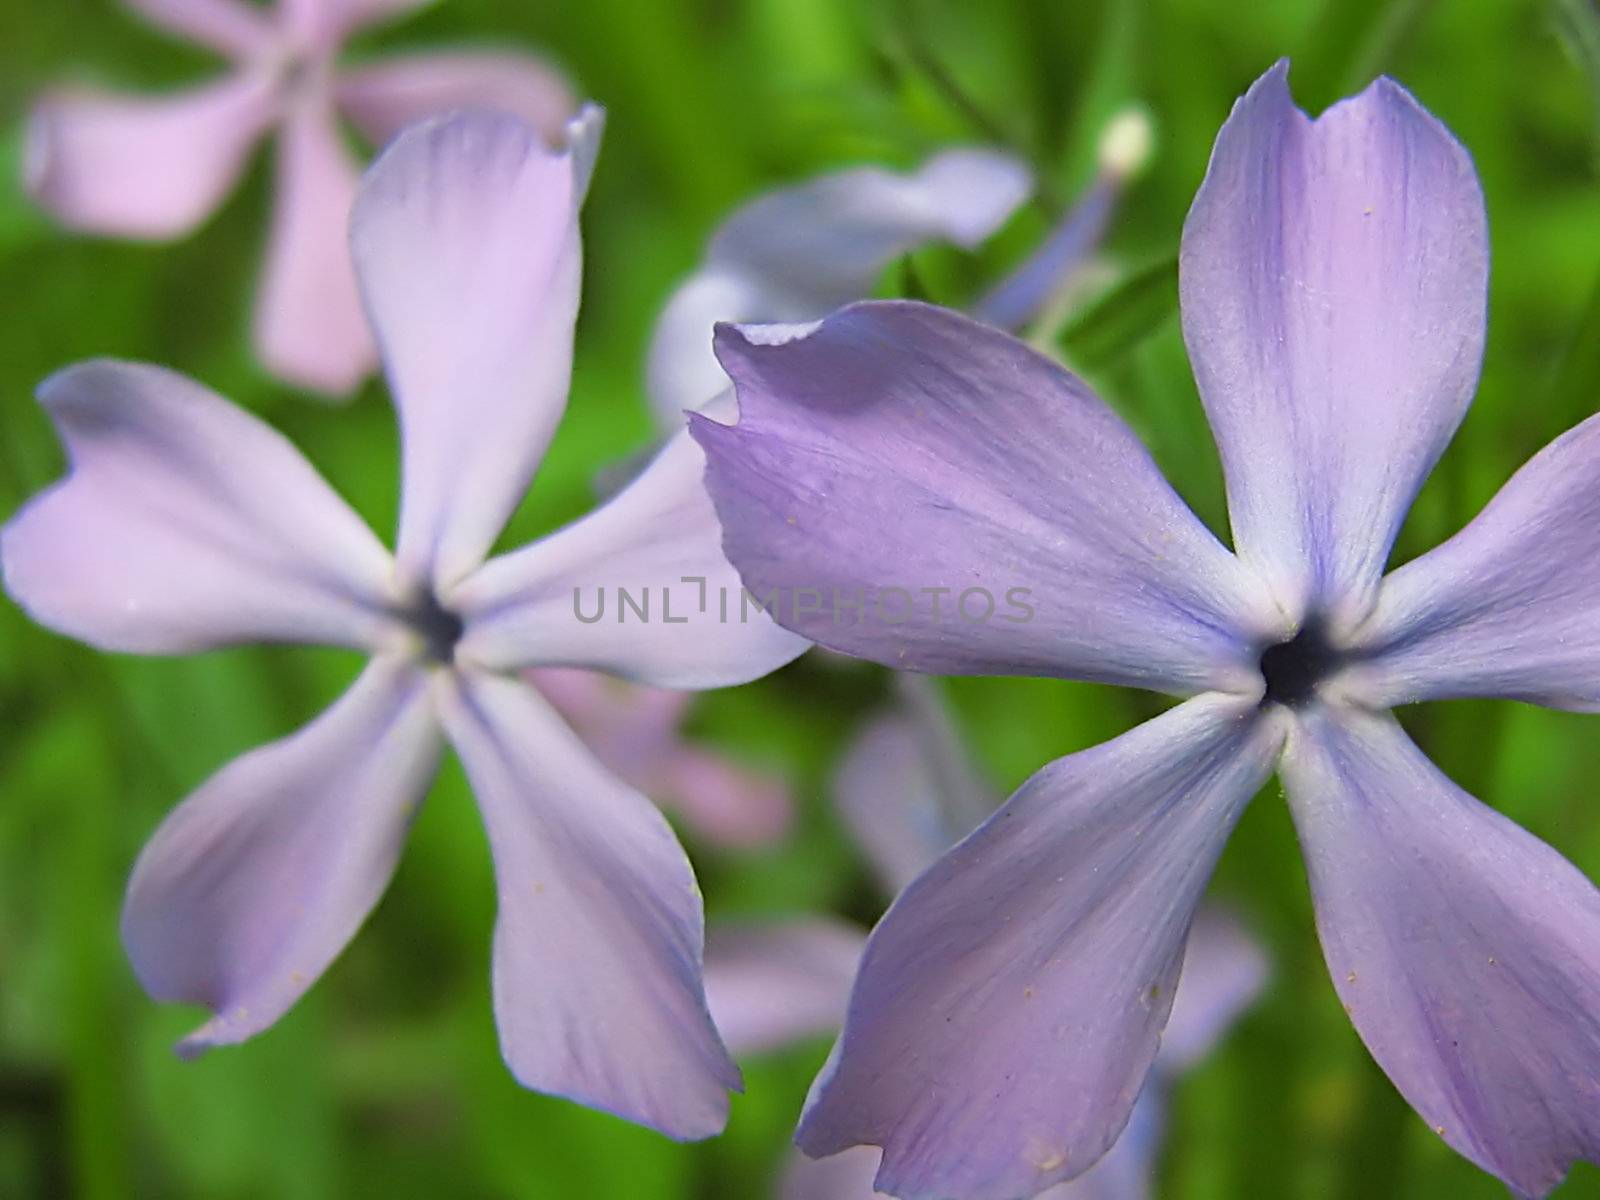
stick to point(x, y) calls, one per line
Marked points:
point(385, 1080)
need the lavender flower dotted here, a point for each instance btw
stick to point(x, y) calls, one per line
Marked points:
point(157, 167)
point(907, 791)
point(186, 524)
point(1333, 281)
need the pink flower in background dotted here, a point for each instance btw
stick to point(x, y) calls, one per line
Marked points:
point(156, 167)
point(186, 524)
point(907, 790)
point(636, 730)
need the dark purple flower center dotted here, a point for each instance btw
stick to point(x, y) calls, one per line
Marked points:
point(439, 628)
point(1293, 669)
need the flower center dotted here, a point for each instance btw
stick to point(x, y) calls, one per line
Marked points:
point(1293, 669)
point(438, 627)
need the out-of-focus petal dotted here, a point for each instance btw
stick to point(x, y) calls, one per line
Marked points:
point(384, 97)
point(230, 27)
point(1224, 971)
point(257, 881)
point(770, 985)
point(636, 732)
point(906, 793)
point(844, 1176)
point(309, 326)
point(185, 523)
point(1510, 606)
point(1466, 951)
point(1333, 278)
point(799, 252)
point(465, 237)
point(143, 167)
point(916, 488)
point(1007, 1009)
point(1021, 295)
point(650, 563)
point(597, 977)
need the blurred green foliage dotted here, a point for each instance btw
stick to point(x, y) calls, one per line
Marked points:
point(386, 1081)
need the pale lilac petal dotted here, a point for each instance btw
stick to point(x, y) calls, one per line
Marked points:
point(1008, 1008)
point(1224, 971)
point(309, 325)
point(1463, 948)
point(771, 985)
point(597, 976)
point(1510, 606)
point(465, 237)
point(636, 731)
point(255, 883)
point(797, 253)
point(900, 448)
point(1333, 280)
point(144, 167)
point(185, 523)
point(1022, 295)
point(844, 1176)
point(906, 790)
point(684, 623)
point(384, 97)
point(231, 27)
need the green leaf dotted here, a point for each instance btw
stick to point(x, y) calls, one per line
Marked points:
point(1577, 24)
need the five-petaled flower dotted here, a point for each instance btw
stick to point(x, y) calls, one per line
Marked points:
point(1333, 282)
point(185, 524)
point(146, 167)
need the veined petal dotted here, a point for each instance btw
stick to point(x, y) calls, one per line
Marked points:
point(650, 563)
point(1333, 277)
point(1008, 1007)
point(144, 167)
point(916, 488)
point(797, 253)
point(770, 985)
point(382, 98)
point(185, 523)
point(597, 975)
point(465, 237)
point(309, 326)
point(228, 26)
point(256, 882)
point(1466, 951)
point(1510, 606)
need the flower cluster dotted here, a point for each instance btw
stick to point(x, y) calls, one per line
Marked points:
point(1011, 1025)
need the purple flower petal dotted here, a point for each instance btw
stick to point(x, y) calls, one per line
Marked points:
point(1463, 948)
point(1333, 283)
point(230, 27)
point(799, 252)
point(1008, 1008)
point(906, 791)
point(309, 326)
point(916, 488)
point(185, 523)
point(659, 543)
point(1510, 606)
point(775, 984)
point(1224, 971)
point(597, 977)
point(255, 883)
point(637, 733)
point(383, 98)
point(465, 237)
point(141, 167)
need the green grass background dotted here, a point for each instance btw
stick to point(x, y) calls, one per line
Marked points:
point(385, 1081)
